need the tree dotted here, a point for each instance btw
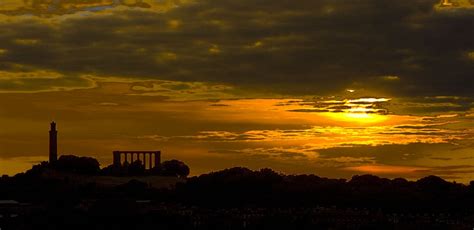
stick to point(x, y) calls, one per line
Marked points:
point(136, 168)
point(114, 170)
point(174, 168)
point(75, 164)
point(433, 184)
point(38, 169)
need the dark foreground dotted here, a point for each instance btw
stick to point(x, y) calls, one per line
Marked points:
point(236, 198)
point(145, 215)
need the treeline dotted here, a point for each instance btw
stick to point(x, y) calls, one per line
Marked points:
point(242, 187)
point(265, 188)
point(239, 198)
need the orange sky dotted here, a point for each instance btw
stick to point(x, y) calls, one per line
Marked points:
point(284, 134)
point(219, 84)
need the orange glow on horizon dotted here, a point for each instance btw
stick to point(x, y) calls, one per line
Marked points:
point(385, 169)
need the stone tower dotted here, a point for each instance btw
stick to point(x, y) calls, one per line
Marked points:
point(53, 143)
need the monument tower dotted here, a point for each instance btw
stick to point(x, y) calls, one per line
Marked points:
point(53, 143)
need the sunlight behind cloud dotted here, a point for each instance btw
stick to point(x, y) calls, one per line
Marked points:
point(454, 4)
point(357, 111)
point(357, 117)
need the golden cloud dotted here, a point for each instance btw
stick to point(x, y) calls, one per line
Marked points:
point(38, 74)
point(454, 4)
point(64, 7)
point(470, 55)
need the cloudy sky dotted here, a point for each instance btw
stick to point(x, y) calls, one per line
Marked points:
point(329, 87)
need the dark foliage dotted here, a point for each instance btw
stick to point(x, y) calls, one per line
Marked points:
point(136, 168)
point(75, 164)
point(243, 187)
point(174, 168)
point(239, 198)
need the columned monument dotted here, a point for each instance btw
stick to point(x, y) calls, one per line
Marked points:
point(149, 159)
point(53, 143)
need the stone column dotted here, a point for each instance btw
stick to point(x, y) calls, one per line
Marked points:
point(150, 162)
point(117, 158)
point(157, 158)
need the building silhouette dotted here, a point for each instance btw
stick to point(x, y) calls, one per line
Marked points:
point(149, 159)
point(53, 143)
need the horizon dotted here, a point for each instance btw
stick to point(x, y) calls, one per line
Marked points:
point(330, 88)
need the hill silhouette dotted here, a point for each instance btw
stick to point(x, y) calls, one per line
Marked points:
point(235, 198)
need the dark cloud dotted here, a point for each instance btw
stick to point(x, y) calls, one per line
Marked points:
point(225, 151)
point(441, 158)
point(399, 154)
point(360, 105)
point(219, 105)
point(276, 153)
point(436, 104)
point(310, 110)
point(292, 155)
point(448, 170)
point(312, 47)
point(50, 8)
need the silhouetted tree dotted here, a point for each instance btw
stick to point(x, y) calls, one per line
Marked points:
point(113, 170)
point(75, 164)
point(157, 170)
point(174, 168)
point(433, 184)
point(368, 180)
point(136, 168)
point(38, 169)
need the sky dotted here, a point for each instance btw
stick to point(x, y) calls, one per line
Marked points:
point(326, 87)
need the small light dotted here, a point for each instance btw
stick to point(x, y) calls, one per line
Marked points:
point(446, 3)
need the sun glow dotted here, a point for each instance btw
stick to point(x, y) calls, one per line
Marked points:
point(358, 118)
point(360, 110)
point(368, 100)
